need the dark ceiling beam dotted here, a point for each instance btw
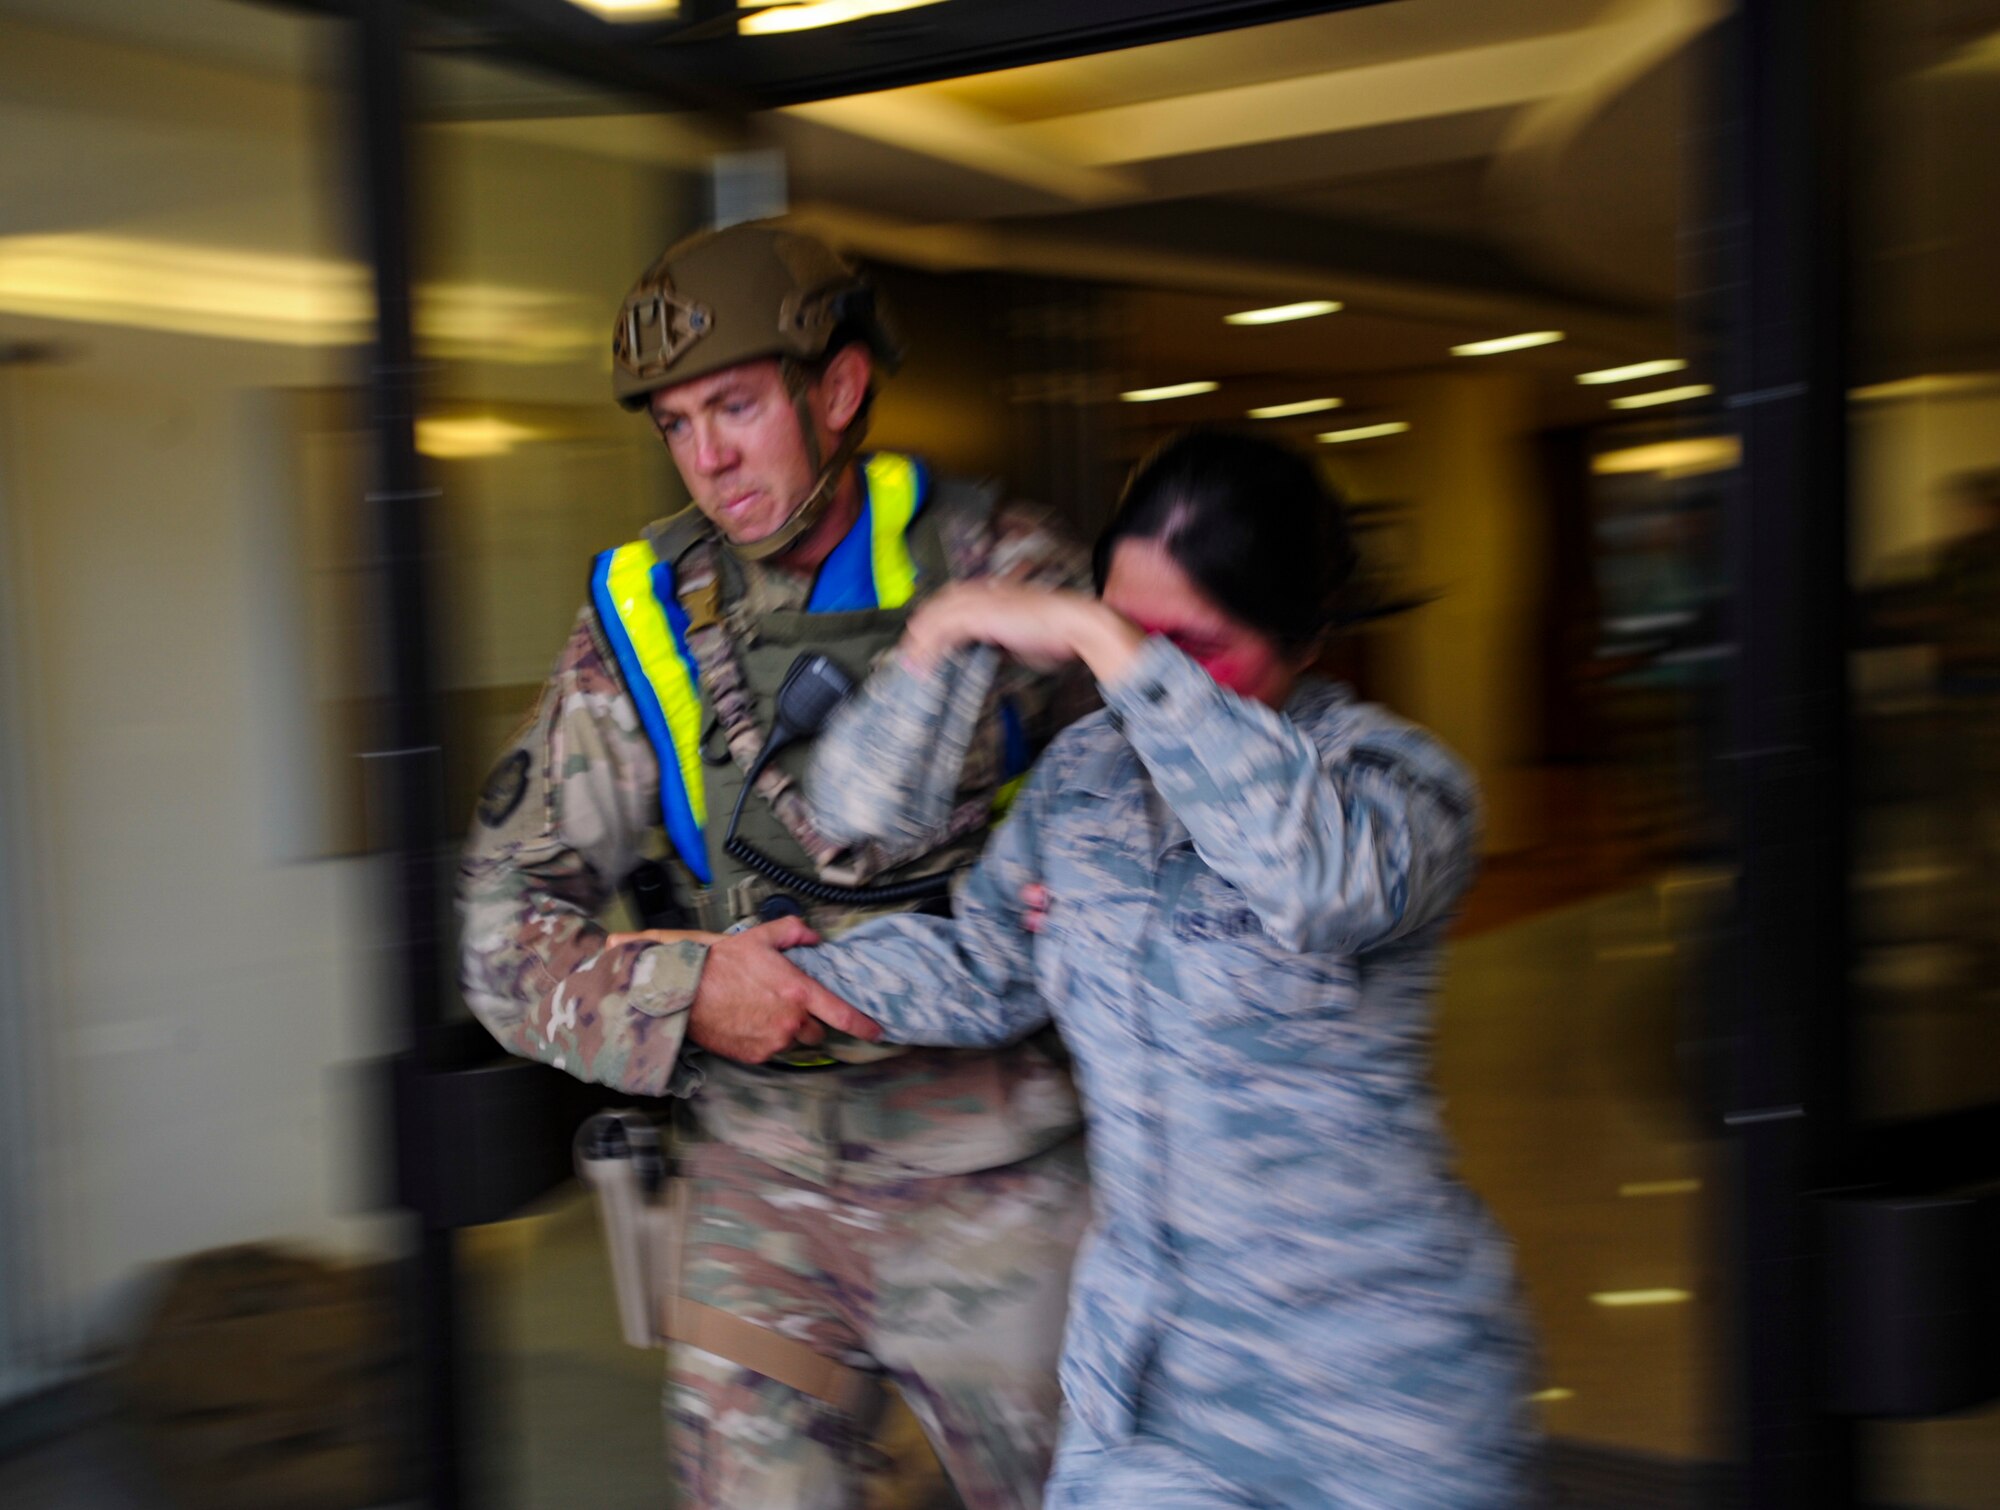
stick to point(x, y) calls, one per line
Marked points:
point(698, 62)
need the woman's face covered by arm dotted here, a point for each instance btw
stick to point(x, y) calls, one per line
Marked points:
point(1148, 587)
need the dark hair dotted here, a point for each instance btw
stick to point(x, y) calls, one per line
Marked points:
point(1250, 522)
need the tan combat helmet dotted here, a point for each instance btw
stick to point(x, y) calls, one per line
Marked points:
point(740, 294)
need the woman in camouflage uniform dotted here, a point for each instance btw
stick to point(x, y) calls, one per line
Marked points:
point(1230, 891)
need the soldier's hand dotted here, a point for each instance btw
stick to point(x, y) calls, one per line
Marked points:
point(753, 1003)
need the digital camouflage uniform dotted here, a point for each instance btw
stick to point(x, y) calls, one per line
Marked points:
point(1286, 1300)
point(915, 1215)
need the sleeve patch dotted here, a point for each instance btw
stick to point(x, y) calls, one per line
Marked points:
point(504, 789)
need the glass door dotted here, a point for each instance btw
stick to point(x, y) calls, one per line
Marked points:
point(1924, 668)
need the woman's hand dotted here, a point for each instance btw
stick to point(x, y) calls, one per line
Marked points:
point(1034, 907)
point(1029, 623)
point(1039, 626)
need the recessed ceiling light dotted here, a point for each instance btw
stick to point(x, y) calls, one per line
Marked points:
point(1303, 406)
point(1508, 343)
point(1616, 1298)
point(1642, 1188)
point(1636, 370)
point(811, 13)
point(1663, 396)
point(1674, 458)
point(629, 10)
point(1277, 314)
point(1930, 385)
point(1172, 390)
point(455, 439)
point(1365, 432)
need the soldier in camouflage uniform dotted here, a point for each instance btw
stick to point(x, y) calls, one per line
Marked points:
point(1231, 888)
point(856, 1213)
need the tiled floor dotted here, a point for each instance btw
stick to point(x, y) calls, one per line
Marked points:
point(1556, 1045)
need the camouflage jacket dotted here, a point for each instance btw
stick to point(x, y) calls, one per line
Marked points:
point(1242, 944)
point(573, 805)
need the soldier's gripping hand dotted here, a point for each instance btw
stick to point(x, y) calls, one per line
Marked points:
point(753, 1003)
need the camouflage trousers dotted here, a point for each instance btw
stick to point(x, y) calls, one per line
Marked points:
point(953, 1288)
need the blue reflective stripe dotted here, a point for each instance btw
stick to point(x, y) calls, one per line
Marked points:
point(676, 810)
point(852, 576)
point(847, 576)
point(1014, 758)
point(663, 589)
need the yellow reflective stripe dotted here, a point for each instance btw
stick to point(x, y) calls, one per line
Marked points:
point(1003, 800)
point(630, 581)
point(892, 504)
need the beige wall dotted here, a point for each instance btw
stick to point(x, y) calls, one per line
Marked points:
point(1466, 664)
point(1906, 453)
point(193, 994)
point(203, 974)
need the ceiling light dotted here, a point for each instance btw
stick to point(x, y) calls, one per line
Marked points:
point(1931, 385)
point(1366, 432)
point(1660, 1187)
point(1636, 370)
point(1552, 1396)
point(1172, 390)
point(1277, 314)
point(811, 13)
point(273, 298)
point(1507, 343)
point(1673, 458)
point(1660, 948)
point(1664, 396)
point(1616, 1298)
point(1979, 56)
point(629, 10)
point(456, 439)
point(1303, 406)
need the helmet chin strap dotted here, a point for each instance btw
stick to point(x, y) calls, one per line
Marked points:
point(826, 477)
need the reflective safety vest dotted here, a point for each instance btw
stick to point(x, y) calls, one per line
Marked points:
point(637, 604)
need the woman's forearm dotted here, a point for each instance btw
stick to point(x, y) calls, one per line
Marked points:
point(1105, 640)
point(911, 975)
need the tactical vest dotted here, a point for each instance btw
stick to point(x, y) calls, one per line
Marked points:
point(661, 599)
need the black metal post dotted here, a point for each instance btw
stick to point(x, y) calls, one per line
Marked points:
point(406, 765)
point(1786, 1101)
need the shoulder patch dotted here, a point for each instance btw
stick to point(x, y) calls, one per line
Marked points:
point(962, 514)
point(504, 789)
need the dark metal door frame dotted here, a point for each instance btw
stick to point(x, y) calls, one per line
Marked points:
point(1786, 1099)
point(696, 59)
point(406, 768)
point(1856, 1250)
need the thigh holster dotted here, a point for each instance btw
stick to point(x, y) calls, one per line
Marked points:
point(643, 1202)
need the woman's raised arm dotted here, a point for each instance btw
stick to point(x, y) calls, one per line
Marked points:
point(1333, 850)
